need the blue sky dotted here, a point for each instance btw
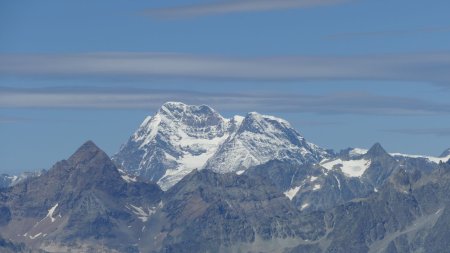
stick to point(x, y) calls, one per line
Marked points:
point(344, 73)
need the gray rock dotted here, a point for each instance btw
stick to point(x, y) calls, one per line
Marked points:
point(78, 202)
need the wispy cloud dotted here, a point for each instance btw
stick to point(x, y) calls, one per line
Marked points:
point(235, 6)
point(334, 103)
point(389, 33)
point(11, 119)
point(439, 132)
point(426, 67)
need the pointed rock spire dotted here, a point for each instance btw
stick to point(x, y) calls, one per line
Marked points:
point(376, 151)
point(445, 153)
point(88, 152)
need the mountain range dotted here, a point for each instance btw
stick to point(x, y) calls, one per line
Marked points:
point(190, 180)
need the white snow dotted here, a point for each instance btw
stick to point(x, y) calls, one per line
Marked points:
point(269, 117)
point(128, 179)
point(35, 236)
point(238, 119)
point(194, 146)
point(260, 139)
point(305, 205)
point(313, 178)
point(140, 212)
point(317, 187)
point(50, 213)
point(239, 172)
point(183, 138)
point(14, 179)
point(338, 181)
point(189, 162)
point(350, 168)
point(292, 192)
point(432, 159)
point(357, 152)
point(148, 130)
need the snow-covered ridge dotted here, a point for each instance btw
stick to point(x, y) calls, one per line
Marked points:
point(356, 164)
point(433, 159)
point(357, 151)
point(180, 138)
point(350, 168)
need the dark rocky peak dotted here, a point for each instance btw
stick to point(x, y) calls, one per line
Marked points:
point(88, 153)
point(376, 151)
point(381, 167)
point(445, 153)
point(92, 162)
point(90, 167)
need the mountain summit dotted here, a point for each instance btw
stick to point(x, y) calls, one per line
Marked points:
point(180, 138)
point(83, 197)
point(446, 153)
point(376, 151)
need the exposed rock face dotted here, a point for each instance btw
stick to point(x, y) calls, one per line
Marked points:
point(85, 204)
point(336, 180)
point(78, 201)
point(211, 212)
point(9, 247)
point(409, 214)
point(381, 165)
point(311, 187)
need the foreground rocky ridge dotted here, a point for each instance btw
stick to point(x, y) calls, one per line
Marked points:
point(190, 180)
point(77, 203)
point(409, 214)
point(85, 204)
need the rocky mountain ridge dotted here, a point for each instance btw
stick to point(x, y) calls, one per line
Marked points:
point(244, 184)
point(86, 204)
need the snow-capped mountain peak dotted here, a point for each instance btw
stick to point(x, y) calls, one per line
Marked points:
point(262, 138)
point(178, 119)
point(180, 138)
